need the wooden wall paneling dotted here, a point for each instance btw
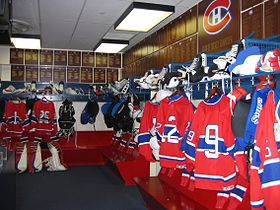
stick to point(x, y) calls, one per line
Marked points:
point(138, 67)
point(101, 59)
point(74, 58)
point(252, 21)
point(160, 38)
point(151, 62)
point(59, 74)
point(126, 58)
point(45, 74)
point(17, 72)
point(154, 42)
point(73, 74)
point(114, 60)
point(191, 21)
point(99, 75)
point(139, 51)
point(133, 71)
point(171, 33)
point(272, 18)
point(156, 59)
point(181, 27)
point(46, 57)
point(176, 53)
point(163, 56)
point(60, 57)
point(143, 48)
point(16, 56)
point(174, 37)
point(191, 48)
point(123, 72)
point(165, 36)
point(149, 45)
point(87, 76)
point(88, 59)
point(31, 73)
point(249, 3)
point(31, 56)
point(181, 52)
point(133, 54)
point(143, 64)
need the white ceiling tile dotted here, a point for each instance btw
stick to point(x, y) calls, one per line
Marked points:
point(90, 30)
point(66, 10)
point(83, 44)
point(188, 3)
point(94, 19)
point(59, 33)
point(166, 2)
point(100, 11)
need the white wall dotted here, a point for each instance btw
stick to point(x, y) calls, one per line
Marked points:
point(79, 106)
point(5, 67)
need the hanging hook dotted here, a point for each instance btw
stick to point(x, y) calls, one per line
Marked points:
point(253, 81)
point(238, 82)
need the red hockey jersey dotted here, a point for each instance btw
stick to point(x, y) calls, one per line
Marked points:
point(44, 120)
point(265, 169)
point(148, 121)
point(178, 115)
point(209, 145)
point(15, 120)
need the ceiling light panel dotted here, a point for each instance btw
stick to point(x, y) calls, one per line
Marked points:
point(110, 46)
point(26, 41)
point(142, 17)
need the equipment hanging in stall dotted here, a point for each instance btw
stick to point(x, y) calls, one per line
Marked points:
point(66, 119)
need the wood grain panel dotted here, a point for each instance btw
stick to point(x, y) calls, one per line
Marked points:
point(17, 72)
point(249, 3)
point(31, 56)
point(191, 21)
point(272, 18)
point(181, 27)
point(16, 56)
point(252, 21)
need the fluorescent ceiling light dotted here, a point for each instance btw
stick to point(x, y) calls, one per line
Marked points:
point(26, 41)
point(110, 45)
point(142, 17)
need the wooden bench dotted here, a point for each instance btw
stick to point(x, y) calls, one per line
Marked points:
point(165, 192)
point(126, 166)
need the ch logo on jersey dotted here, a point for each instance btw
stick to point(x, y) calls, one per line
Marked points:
point(217, 16)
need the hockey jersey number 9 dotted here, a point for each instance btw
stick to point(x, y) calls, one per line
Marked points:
point(209, 145)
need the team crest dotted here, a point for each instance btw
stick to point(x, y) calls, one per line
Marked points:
point(217, 16)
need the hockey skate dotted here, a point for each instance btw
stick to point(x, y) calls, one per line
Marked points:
point(196, 69)
point(223, 62)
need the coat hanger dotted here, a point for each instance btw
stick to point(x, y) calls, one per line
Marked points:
point(213, 92)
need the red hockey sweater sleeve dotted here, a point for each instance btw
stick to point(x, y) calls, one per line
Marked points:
point(160, 119)
point(144, 135)
point(190, 141)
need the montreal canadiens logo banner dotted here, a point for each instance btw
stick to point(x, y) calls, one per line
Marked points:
point(218, 24)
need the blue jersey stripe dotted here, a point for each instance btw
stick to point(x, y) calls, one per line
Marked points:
point(271, 173)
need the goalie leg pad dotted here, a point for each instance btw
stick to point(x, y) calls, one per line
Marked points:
point(54, 162)
point(35, 163)
point(21, 157)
